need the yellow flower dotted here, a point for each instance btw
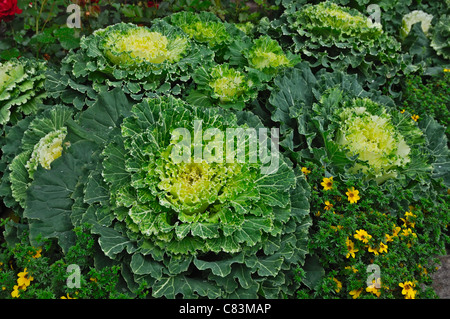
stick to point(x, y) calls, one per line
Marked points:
point(338, 285)
point(24, 280)
point(407, 220)
point(396, 230)
point(336, 228)
point(415, 117)
point(305, 170)
point(15, 292)
point(408, 231)
point(409, 214)
point(383, 248)
point(373, 250)
point(68, 297)
point(351, 248)
point(355, 293)
point(408, 289)
point(363, 236)
point(424, 270)
point(402, 111)
point(389, 238)
point(352, 194)
point(38, 253)
point(378, 250)
point(328, 205)
point(373, 290)
point(446, 70)
point(352, 269)
point(327, 183)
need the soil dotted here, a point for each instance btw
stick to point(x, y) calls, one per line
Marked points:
point(441, 278)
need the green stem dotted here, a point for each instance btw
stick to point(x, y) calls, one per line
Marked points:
point(39, 16)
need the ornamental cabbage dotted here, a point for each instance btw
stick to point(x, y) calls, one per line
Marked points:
point(46, 151)
point(339, 38)
point(224, 85)
point(344, 22)
point(192, 228)
point(440, 40)
point(266, 54)
point(134, 46)
point(21, 89)
point(330, 117)
point(204, 27)
point(142, 61)
point(414, 17)
point(262, 57)
point(367, 130)
point(34, 143)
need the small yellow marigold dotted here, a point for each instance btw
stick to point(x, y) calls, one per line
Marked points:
point(328, 205)
point(338, 285)
point(352, 194)
point(327, 183)
point(305, 170)
point(362, 235)
point(408, 289)
point(355, 293)
point(351, 248)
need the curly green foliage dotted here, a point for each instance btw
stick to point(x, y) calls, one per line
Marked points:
point(441, 37)
point(428, 96)
point(337, 37)
point(392, 12)
point(140, 60)
point(21, 89)
point(198, 228)
point(205, 27)
point(263, 56)
point(415, 17)
point(223, 85)
point(33, 142)
point(49, 269)
point(409, 225)
point(329, 117)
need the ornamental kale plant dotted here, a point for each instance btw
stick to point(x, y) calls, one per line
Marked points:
point(140, 60)
point(440, 40)
point(191, 228)
point(34, 142)
point(329, 117)
point(340, 38)
point(21, 89)
point(223, 85)
point(262, 56)
point(207, 28)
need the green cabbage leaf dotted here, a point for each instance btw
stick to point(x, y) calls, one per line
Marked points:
point(441, 37)
point(201, 228)
point(21, 89)
point(141, 61)
point(335, 37)
point(223, 85)
point(330, 118)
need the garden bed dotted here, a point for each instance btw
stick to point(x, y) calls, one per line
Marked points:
point(224, 149)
